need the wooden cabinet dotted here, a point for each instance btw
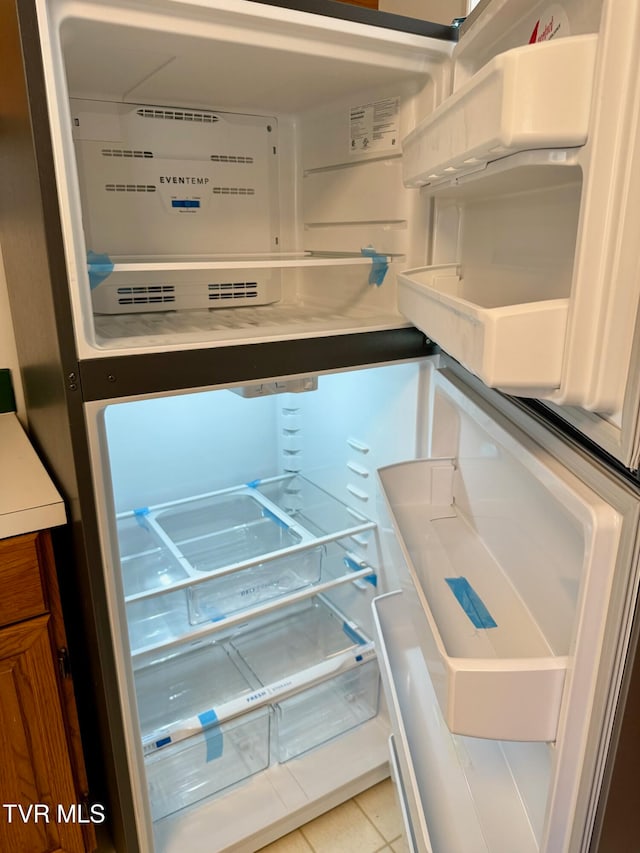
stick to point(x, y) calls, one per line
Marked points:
point(40, 757)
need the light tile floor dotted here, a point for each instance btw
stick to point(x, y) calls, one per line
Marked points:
point(369, 823)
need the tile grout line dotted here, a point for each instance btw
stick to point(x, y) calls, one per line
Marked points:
point(385, 843)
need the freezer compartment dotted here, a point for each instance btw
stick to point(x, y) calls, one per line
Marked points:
point(502, 330)
point(494, 672)
point(505, 108)
point(180, 195)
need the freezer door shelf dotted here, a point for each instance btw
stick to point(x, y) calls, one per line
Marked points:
point(505, 108)
point(215, 715)
point(507, 336)
point(460, 793)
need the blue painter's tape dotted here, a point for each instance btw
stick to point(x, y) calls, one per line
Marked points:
point(212, 734)
point(355, 567)
point(100, 267)
point(353, 635)
point(163, 742)
point(141, 516)
point(379, 265)
point(471, 603)
point(253, 484)
point(271, 515)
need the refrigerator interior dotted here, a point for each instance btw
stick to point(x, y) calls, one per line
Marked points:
point(276, 520)
point(232, 172)
point(241, 532)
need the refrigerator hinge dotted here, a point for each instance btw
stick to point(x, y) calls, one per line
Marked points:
point(64, 666)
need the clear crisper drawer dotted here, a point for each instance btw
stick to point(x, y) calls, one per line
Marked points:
point(171, 689)
point(231, 593)
point(314, 638)
point(207, 763)
point(211, 557)
point(224, 529)
point(146, 562)
point(326, 711)
point(178, 691)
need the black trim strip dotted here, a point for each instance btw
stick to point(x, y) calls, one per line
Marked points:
point(550, 416)
point(156, 373)
point(361, 15)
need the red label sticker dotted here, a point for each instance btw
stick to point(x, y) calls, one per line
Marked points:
point(553, 22)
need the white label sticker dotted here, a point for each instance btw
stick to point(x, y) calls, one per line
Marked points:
point(552, 23)
point(374, 127)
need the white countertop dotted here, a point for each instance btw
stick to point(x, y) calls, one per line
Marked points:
point(28, 499)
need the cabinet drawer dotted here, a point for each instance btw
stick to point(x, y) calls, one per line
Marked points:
point(22, 593)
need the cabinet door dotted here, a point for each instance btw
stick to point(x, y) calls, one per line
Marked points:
point(34, 761)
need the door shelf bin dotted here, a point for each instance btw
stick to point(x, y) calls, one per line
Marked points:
point(513, 346)
point(505, 108)
point(493, 671)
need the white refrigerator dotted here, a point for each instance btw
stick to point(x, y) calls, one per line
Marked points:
point(334, 313)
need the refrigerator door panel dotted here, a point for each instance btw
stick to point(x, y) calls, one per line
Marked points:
point(576, 573)
point(537, 306)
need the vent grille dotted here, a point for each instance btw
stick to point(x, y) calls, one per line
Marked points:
point(127, 152)
point(230, 158)
point(151, 294)
point(130, 188)
point(234, 290)
point(234, 191)
point(178, 115)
